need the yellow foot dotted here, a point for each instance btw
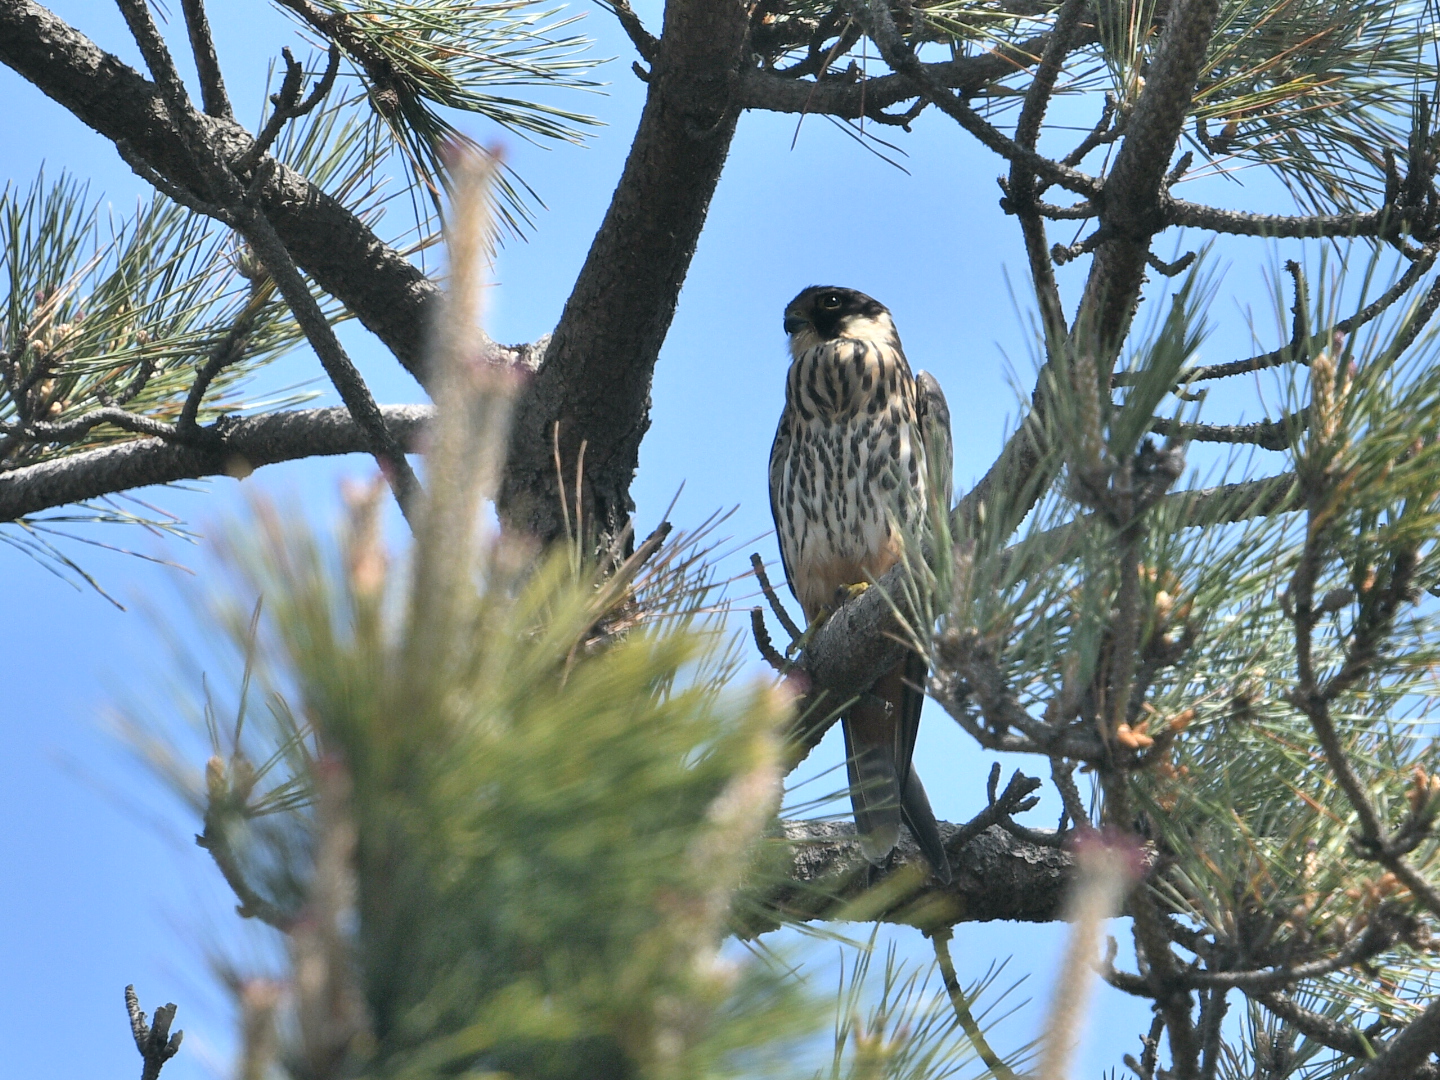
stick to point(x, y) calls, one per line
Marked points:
point(845, 593)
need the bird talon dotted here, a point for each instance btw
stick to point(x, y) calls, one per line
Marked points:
point(845, 593)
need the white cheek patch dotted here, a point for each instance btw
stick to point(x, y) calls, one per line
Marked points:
point(863, 327)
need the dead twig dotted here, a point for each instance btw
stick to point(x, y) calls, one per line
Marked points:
point(763, 642)
point(153, 1040)
point(775, 605)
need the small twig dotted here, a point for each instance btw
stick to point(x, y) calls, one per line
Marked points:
point(288, 106)
point(1082, 211)
point(1317, 226)
point(646, 43)
point(1063, 776)
point(1145, 1067)
point(228, 350)
point(42, 431)
point(1171, 269)
point(1290, 353)
point(901, 120)
point(1213, 1007)
point(1380, 934)
point(763, 642)
point(134, 387)
point(212, 85)
point(154, 1041)
point(775, 605)
point(1407, 1052)
point(1063, 253)
point(941, 940)
point(1020, 191)
point(173, 192)
point(1101, 134)
point(1179, 169)
point(1015, 799)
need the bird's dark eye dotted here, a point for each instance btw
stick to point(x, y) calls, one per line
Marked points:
point(830, 301)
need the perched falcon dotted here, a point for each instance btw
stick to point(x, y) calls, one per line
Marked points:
point(847, 475)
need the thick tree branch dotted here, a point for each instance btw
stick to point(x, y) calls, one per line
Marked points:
point(1131, 208)
point(996, 876)
point(389, 295)
point(595, 378)
point(241, 447)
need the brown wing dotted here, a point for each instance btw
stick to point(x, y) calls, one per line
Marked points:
point(932, 418)
point(779, 457)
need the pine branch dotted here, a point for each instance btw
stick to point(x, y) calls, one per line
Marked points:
point(212, 84)
point(225, 200)
point(901, 57)
point(963, 1016)
point(1380, 934)
point(243, 446)
point(1134, 189)
point(1409, 1050)
point(1241, 223)
point(596, 377)
point(996, 877)
point(773, 91)
point(1266, 434)
point(1019, 191)
point(388, 293)
point(1337, 1036)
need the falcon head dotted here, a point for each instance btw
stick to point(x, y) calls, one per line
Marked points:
point(826, 312)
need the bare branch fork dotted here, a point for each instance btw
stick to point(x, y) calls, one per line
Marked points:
point(153, 1040)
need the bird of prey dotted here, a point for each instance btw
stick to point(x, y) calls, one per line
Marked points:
point(848, 482)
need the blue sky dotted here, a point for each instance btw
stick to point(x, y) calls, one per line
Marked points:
point(102, 884)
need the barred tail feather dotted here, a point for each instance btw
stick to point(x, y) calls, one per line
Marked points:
point(920, 820)
point(874, 794)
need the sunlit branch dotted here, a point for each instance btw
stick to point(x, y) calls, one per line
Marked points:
point(240, 447)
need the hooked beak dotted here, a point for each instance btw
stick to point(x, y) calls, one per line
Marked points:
point(794, 323)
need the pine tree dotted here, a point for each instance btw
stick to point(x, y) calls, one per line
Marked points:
point(1239, 673)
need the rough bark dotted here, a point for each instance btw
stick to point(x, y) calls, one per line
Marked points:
point(1131, 202)
point(244, 446)
point(595, 378)
point(996, 876)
